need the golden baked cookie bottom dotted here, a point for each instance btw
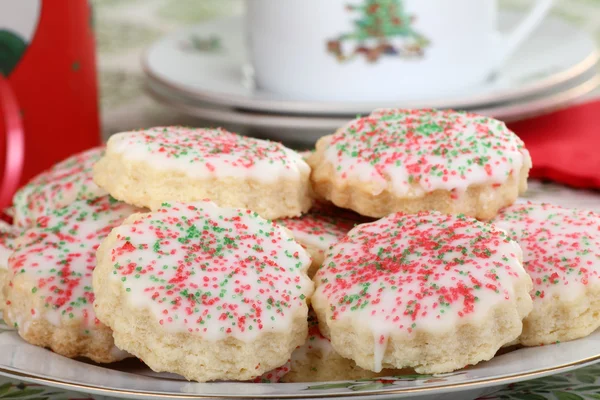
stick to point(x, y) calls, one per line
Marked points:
point(478, 201)
point(69, 338)
point(554, 320)
point(429, 352)
point(138, 183)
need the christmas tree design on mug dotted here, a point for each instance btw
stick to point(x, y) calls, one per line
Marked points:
point(382, 29)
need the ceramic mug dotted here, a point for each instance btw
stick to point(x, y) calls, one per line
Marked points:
point(369, 50)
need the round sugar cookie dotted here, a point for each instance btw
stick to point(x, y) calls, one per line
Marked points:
point(561, 254)
point(151, 166)
point(317, 361)
point(207, 292)
point(316, 231)
point(59, 186)
point(49, 295)
point(420, 160)
point(305, 154)
point(428, 291)
point(275, 375)
point(8, 236)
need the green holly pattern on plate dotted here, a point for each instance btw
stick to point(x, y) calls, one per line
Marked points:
point(581, 384)
point(11, 389)
point(378, 383)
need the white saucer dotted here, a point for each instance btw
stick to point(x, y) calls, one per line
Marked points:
point(555, 53)
point(305, 129)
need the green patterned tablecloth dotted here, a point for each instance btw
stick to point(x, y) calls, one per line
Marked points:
point(125, 27)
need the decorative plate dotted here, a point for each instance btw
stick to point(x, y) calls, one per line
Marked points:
point(132, 379)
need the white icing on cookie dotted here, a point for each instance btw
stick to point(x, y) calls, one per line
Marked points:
point(420, 151)
point(561, 248)
point(59, 186)
point(8, 236)
point(59, 255)
point(212, 271)
point(423, 272)
point(209, 153)
point(319, 229)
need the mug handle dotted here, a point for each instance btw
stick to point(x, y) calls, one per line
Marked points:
point(12, 143)
point(509, 42)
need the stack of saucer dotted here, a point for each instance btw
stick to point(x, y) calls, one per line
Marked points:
point(204, 71)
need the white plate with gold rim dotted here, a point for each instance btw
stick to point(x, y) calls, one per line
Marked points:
point(131, 379)
point(208, 63)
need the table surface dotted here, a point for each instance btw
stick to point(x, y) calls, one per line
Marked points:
point(125, 27)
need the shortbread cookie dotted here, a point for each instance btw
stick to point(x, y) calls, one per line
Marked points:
point(317, 361)
point(561, 254)
point(148, 167)
point(429, 291)
point(418, 160)
point(317, 231)
point(8, 235)
point(305, 154)
point(203, 291)
point(275, 375)
point(57, 187)
point(49, 297)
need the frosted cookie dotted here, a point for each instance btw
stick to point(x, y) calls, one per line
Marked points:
point(305, 154)
point(317, 361)
point(49, 297)
point(561, 254)
point(59, 186)
point(275, 375)
point(418, 160)
point(207, 292)
point(317, 231)
point(428, 291)
point(148, 167)
point(8, 235)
